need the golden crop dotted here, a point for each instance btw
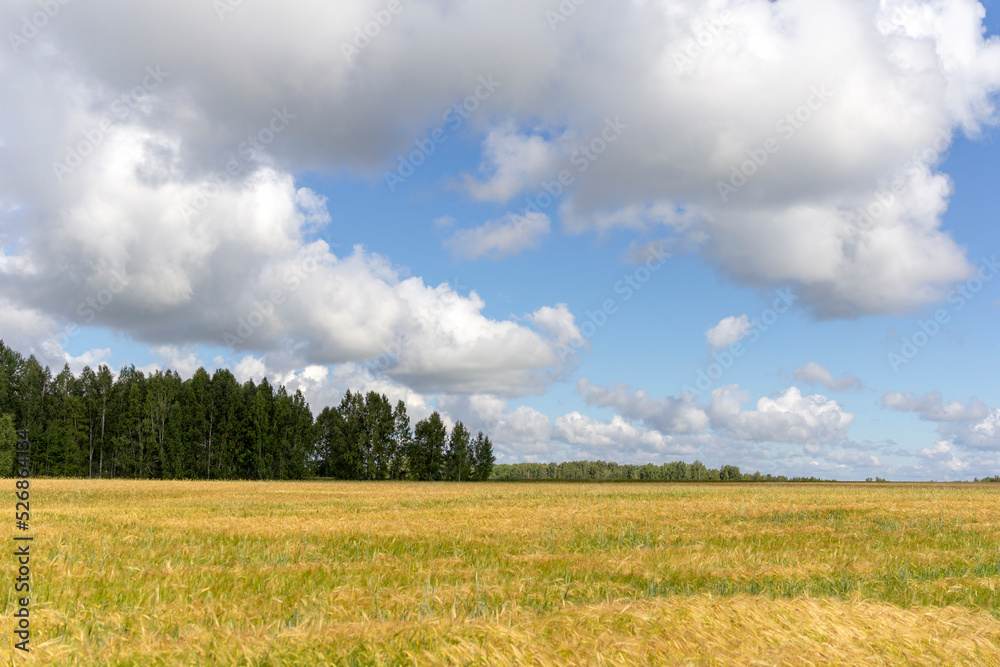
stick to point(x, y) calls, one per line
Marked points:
point(313, 573)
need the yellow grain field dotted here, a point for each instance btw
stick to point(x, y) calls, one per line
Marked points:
point(315, 573)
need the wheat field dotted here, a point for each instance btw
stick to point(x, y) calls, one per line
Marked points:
point(313, 573)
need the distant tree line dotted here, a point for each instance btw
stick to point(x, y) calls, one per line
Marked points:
point(157, 426)
point(676, 471)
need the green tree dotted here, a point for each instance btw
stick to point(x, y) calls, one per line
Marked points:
point(340, 437)
point(379, 427)
point(458, 458)
point(427, 455)
point(483, 460)
point(226, 401)
point(402, 442)
point(8, 445)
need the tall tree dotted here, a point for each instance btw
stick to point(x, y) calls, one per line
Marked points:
point(8, 445)
point(458, 458)
point(103, 387)
point(227, 402)
point(379, 428)
point(197, 413)
point(65, 425)
point(483, 458)
point(30, 388)
point(427, 456)
point(402, 441)
point(331, 444)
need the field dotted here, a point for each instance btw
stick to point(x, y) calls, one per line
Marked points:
point(244, 573)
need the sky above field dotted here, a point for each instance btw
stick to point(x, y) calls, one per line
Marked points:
point(751, 233)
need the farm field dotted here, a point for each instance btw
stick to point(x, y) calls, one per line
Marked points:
point(311, 573)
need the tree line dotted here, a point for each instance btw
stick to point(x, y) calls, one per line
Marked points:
point(158, 426)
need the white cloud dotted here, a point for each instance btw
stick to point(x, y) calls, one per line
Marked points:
point(931, 407)
point(93, 358)
point(812, 373)
point(894, 88)
point(512, 162)
point(182, 361)
point(497, 238)
point(982, 434)
point(666, 415)
point(250, 368)
point(791, 417)
point(24, 329)
point(615, 435)
point(972, 425)
point(560, 324)
point(523, 425)
point(853, 460)
point(942, 455)
point(729, 330)
point(241, 267)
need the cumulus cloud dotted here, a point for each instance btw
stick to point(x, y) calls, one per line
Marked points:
point(559, 323)
point(615, 435)
point(250, 368)
point(183, 361)
point(666, 415)
point(972, 425)
point(931, 407)
point(942, 455)
point(729, 330)
point(240, 272)
point(512, 162)
point(93, 358)
point(498, 238)
point(522, 425)
point(848, 211)
point(853, 460)
point(30, 330)
point(812, 373)
point(790, 417)
point(982, 434)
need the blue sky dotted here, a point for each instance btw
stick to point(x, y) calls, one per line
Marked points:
point(439, 288)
